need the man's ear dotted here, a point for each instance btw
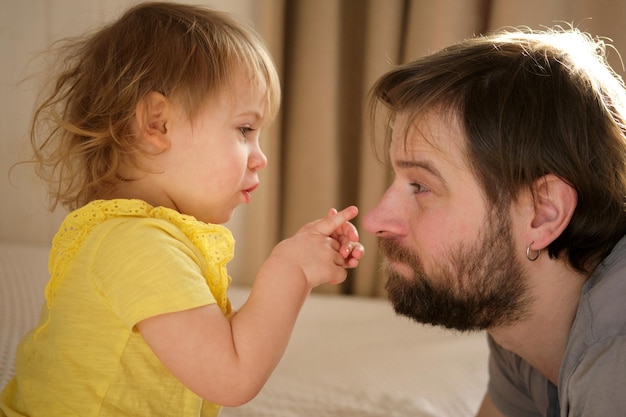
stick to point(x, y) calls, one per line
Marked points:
point(151, 115)
point(554, 204)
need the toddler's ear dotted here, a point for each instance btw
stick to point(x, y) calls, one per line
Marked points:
point(151, 116)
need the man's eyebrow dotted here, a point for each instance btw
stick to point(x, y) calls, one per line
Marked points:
point(426, 165)
point(411, 163)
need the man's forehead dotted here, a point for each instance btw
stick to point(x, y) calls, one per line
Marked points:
point(433, 131)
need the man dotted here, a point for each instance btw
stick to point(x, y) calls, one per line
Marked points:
point(506, 213)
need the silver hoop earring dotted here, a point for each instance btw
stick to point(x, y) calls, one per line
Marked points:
point(534, 258)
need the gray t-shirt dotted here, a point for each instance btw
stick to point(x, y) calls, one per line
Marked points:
point(592, 380)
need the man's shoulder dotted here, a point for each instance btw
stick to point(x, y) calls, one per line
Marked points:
point(602, 298)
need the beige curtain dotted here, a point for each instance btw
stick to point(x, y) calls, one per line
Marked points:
point(329, 53)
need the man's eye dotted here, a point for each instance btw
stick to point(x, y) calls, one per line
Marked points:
point(418, 188)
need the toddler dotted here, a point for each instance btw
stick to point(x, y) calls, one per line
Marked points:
point(150, 136)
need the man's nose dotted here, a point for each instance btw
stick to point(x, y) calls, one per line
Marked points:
point(385, 219)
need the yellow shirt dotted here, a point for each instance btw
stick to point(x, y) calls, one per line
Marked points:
point(114, 263)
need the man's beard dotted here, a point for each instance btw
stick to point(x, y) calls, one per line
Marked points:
point(473, 287)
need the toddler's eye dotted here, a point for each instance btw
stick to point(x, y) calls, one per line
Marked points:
point(244, 130)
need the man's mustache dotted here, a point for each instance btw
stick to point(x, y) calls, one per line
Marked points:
point(395, 251)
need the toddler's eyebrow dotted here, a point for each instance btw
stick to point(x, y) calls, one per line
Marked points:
point(253, 113)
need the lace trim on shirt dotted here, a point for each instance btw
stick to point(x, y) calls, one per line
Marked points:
point(215, 242)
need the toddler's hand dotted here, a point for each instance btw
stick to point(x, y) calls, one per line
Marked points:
point(324, 248)
point(348, 237)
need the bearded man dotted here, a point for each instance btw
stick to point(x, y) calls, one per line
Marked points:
point(506, 212)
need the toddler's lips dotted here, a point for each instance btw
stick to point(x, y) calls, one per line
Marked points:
point(248, 191)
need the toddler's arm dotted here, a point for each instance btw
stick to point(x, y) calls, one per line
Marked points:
point(228, 361)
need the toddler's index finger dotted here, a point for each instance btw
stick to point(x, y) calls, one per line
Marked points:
point(334, 220)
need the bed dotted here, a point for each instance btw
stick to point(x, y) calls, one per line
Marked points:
point(348, 357)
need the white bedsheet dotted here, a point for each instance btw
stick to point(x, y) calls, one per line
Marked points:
point(352, 356)
point(23, 275)
point(348, 356)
